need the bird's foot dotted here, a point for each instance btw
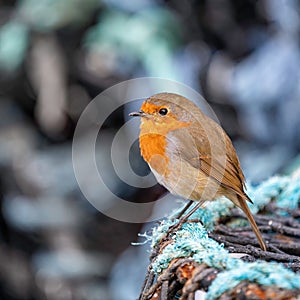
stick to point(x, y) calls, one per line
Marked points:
point(173, 228)
point(178, 225)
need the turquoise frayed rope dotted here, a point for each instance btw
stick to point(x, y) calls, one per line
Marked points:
point(192, 240)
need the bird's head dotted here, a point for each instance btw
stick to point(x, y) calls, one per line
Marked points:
point(165, 112)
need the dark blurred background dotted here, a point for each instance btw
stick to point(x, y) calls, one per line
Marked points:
point(56, 56)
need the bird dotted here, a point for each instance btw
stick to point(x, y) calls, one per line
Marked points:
point(191, 155)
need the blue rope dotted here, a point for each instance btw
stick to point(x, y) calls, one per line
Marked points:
point(261, 272)
point(290, 196)
point(192, 240)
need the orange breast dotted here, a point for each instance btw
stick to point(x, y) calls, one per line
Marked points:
point(153, 140)
point(153, 150)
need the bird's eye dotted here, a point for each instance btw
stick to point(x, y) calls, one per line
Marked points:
point(163, 111)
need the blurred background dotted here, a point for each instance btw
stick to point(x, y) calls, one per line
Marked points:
point(56, 56)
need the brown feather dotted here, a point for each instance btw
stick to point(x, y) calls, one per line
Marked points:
point(252, 222)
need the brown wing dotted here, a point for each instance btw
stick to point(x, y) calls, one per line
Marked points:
point(214, 154)
point(227, 175)
point(221, 163)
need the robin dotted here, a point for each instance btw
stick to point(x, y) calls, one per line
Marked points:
point(190, 154)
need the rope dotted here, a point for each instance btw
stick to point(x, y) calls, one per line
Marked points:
point(192, 240)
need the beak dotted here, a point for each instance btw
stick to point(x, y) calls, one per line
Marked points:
point(138, 114)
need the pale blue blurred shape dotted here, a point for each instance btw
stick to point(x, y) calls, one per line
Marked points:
point(92, 291)
point(41, 169)
point(189, 61)
point(132, 6)
point(150, 37)
point(285, 13)
point(70, 264)
point(265, 88)
point(259, 163)
point(44, 212)
point(13, 45)
point(128, 273)
point(269, 74)
point(48, 15)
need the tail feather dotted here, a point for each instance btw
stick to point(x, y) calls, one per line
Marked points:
point(243, 205)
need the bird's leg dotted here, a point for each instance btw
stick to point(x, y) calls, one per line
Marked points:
point(186, 207)
point(185, 217)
